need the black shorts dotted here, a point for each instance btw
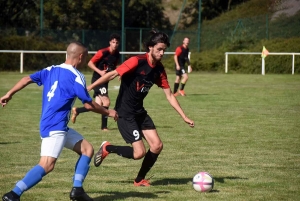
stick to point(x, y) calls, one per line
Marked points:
point(101, 90)
point(181, 71)
point(131, 127)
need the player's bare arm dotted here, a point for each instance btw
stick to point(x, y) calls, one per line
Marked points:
point(20, 85)
point(175, 104)
point(176, 62)
point(92, 66)
point(104, 79)
point(94, 107)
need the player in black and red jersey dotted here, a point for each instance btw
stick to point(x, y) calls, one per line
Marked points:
point(180, 58)
point(138, 75)
point(104, 61)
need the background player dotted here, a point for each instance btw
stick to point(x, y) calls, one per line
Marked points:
point(104, 61)
point(62, 84)
point(138, 74)
point(180, 57)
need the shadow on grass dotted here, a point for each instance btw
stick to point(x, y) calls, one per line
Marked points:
point(202, 95)
point(10, 142)
point(163, 126)
point(222, 179)
point(180, 181)
point(163, 182)
point(172, 181)
point(214, 191)
point(109, 129)
point(115, 195)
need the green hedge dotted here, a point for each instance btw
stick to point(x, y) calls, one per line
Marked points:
point(214, 60)
point(11, 61)
point(209, 61)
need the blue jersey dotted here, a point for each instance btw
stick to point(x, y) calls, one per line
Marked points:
point(62, 84)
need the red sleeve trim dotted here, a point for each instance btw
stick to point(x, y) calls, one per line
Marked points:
point(163, 81)
point(97, 57)
point(127, 65)
point(178, 51)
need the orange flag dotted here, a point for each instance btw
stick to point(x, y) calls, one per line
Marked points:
point(264, 52)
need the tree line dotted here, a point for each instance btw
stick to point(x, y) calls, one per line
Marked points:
point(100, 14)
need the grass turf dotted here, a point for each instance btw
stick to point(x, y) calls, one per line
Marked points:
point(247, 136)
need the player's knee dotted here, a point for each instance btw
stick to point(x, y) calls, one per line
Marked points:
point(50, 168)
point(139, 154)
point(47, 166)
point(85, 148)
point(105, 101)
point(157, 148)
point(88, 151)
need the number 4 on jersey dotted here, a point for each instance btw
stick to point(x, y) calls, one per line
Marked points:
point(50, 93)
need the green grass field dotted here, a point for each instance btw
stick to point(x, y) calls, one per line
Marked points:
point(247, 136)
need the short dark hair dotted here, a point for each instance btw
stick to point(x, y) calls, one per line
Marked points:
point(157, 37)
point(114, 36)
point(79, 44)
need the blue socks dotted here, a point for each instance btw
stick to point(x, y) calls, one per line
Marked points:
point(36, 174)
point(32, 177)
point(81, 169)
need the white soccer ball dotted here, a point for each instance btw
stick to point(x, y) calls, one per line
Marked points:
point(203, 182)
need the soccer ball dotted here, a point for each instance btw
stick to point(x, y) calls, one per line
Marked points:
point(203, 182)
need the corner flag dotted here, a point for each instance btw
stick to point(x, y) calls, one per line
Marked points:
point(264, 52)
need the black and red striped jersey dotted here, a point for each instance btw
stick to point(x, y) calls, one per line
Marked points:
point(105, 60)
point(182, 53)
point(137, 77)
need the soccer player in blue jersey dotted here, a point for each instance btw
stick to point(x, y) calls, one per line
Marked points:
point(62, 85)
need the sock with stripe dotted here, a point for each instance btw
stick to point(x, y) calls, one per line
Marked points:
point(81, 170)
point(32, 177)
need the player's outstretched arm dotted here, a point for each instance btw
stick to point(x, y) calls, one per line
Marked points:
point(94, 68)
point(176, 62)
point(20, 85)
point(95, 107)
point(104, 79)
point(175, 104)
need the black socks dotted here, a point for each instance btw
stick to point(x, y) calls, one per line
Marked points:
point(104, 120)
point(124, 151)
point(149, 160)
point(81, 110)
point(176, 85)
point(182, 86)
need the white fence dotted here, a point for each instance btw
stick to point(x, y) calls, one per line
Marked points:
point(262, 59)
point(22, 52)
